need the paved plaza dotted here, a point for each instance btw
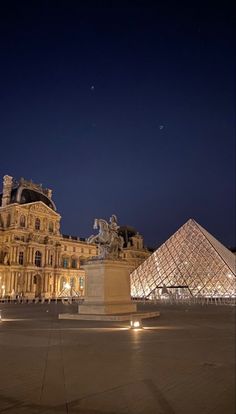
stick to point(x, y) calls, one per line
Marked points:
point(181, 362)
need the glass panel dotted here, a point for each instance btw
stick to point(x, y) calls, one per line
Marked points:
point(191, 259)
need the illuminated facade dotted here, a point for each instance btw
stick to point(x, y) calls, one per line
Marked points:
point(191, 263)
point(36, 260)
point(134, 251)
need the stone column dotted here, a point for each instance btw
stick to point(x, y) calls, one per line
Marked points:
point(28, 255)
point(13, 254)
point(10, 282)
point(7, 281)
point(32, 256)
point(29, 281)
point(46, 257)
point(15, 281)
point(45, 282)
point(26, 281)
point(16, 256)
point(55, 287)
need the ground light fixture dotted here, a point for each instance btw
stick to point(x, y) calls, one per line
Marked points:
point(135, 322)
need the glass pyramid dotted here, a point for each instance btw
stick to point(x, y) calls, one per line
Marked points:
point(191, 263)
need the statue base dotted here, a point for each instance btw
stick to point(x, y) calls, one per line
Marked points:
point(107, 288)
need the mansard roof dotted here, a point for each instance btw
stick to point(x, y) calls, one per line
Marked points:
point(24, 192)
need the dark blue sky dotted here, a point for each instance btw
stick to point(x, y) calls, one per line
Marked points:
point(122, 107)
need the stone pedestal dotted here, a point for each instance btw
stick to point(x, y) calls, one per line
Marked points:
point(107, 288)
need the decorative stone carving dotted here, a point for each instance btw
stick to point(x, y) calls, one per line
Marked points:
point(33, 186)
point(39, 208)
point(6, 257)
point(109, 242)
point(49, 193)
point(57, 226)
point(42, 208)
point(16, 216)
point(30, 237)
point(7, 187)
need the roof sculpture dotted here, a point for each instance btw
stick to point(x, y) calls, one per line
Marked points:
point(191, 261)
point(24, 192)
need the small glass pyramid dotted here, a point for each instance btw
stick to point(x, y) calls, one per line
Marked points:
point(191, 263)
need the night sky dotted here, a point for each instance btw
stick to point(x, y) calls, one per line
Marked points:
point(122, 107)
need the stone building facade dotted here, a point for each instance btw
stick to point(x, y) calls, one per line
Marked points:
point(134, 251)
point(36, 260)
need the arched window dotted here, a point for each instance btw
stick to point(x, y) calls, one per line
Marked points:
point(51, 260)
point(74, 264)
point(65, 262)
point(38, 258)
point(37, 224)
point(50, 227)
point(62, 282)
point(22, 221)
point(8, 220)
point(21, 258)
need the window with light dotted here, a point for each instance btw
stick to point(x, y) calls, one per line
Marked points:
point(65, 262)
point(38, 258)
point(37, 224)
point(74, 263)
point(21, 258)
point(22, 221)
point(50, 227)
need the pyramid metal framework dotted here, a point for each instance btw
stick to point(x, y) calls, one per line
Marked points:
point(190, 263)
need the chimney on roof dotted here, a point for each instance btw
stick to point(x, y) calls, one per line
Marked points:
point(7, 187)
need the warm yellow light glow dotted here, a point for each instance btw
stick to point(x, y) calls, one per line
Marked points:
point(67, 285)
point(136, 324)
point(203, 265)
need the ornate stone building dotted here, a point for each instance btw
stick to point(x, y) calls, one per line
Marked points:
point(36, 260)
point(134, 250)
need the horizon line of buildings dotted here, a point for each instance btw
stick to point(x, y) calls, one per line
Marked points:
point(36, 260)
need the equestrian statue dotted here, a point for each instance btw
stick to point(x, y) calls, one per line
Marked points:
point(110, 243)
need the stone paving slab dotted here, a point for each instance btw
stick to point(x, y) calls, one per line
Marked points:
point(182, 362)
